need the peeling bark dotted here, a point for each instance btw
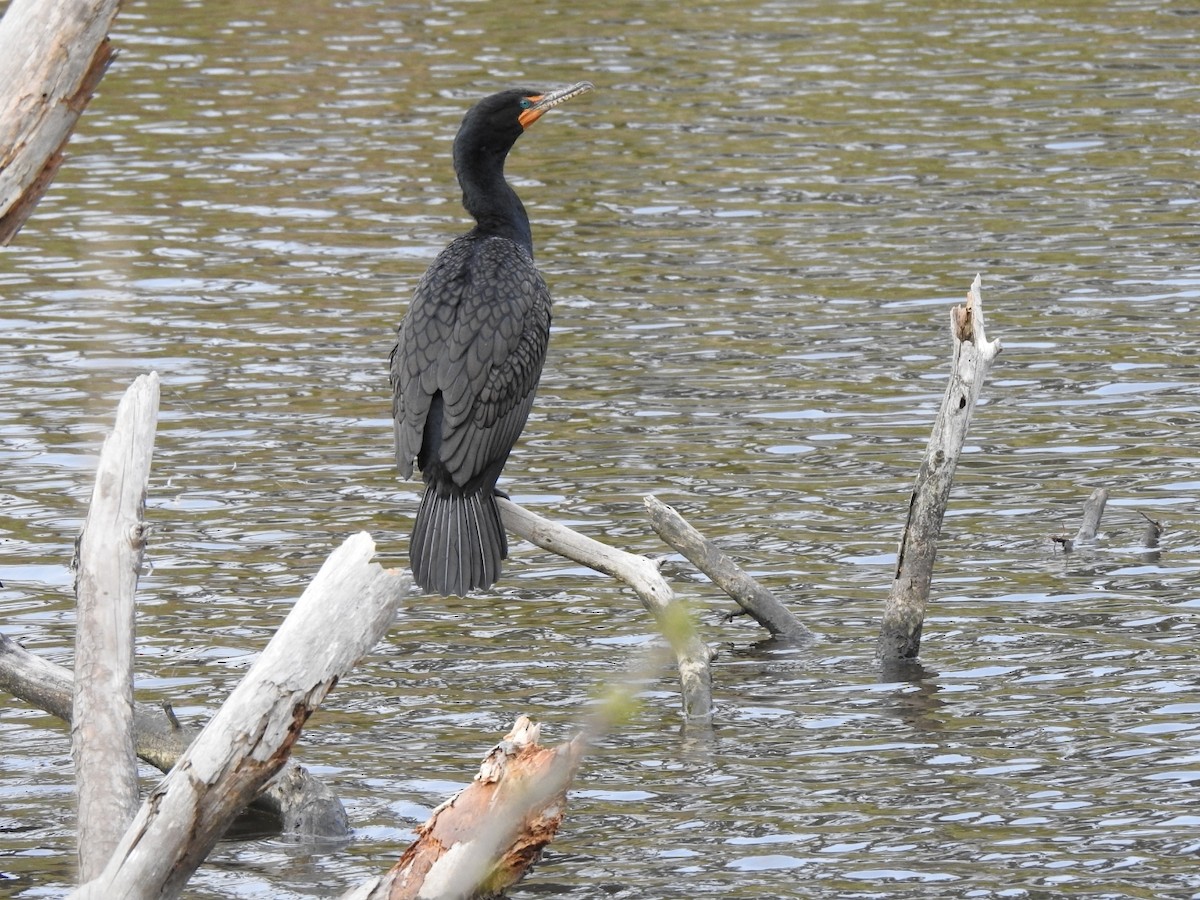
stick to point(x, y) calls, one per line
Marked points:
point(485, 838)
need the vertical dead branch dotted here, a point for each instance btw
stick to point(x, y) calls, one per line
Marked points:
point(691, 655)
point(110, 557)
point(1093, 510)
point(341, 615)
point(1151, 533)
point(973, 354)
point(52, 57)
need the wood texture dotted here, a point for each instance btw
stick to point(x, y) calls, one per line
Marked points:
point(341, 615)
point(303, 805)
point(486, 837)
point(109, 560)
point(972, 357)
point(52, 57)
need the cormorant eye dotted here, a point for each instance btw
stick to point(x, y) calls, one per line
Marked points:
point(526, 103)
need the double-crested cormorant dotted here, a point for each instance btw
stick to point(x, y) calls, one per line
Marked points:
point(470, 353)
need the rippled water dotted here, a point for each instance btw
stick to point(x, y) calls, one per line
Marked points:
point(753, 230)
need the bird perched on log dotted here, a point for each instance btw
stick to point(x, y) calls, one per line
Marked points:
point(470, 353)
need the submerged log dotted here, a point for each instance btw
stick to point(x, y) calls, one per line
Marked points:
point(692, 656)
point(52, 57)
point(756, 600)
point(109, 561)
point(485, 838)
point(343, 612)
point(972, 357)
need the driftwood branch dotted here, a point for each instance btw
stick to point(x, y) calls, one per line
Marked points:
point(691, 655)
point(341, 615)
point(52, 57)
point(760, 603)
point(486, 837)
point(109, 560)
point(303, 805)
point(904, 611)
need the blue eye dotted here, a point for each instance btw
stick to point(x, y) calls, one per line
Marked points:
point(526, 103)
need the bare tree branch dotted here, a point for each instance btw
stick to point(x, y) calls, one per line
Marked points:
point(1093, 511)
point(760, 603)
point(691, 655)
point(341, 615)
point(302, 804)
point(973, 354)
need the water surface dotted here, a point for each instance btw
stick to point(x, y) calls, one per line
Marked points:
point(753, 229)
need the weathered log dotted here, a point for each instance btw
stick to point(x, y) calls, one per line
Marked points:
point(303, 805)
point(692, 656)
point(109, 560)
point(52, 57)
point(756, 600)
point(486, 837)
point(340, 616)
point(972, 357)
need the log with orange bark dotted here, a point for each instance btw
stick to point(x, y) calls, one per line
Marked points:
point(486, 837)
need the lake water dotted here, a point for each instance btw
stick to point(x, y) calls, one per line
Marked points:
point(753, 229)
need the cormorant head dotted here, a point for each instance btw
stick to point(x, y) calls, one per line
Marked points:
point(492, 125)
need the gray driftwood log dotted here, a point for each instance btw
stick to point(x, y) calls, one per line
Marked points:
point(52, 57)
point(341, 615)
point(692, 656)
point(108, 562)
point(972, 357)
point(763, 606)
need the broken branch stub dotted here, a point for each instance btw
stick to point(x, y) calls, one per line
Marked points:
point(1093, 511)
point(486, 837)
point(972, 357)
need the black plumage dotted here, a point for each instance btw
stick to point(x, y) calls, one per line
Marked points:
point(470, 352)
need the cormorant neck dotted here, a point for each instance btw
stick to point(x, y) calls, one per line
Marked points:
point(489, 197)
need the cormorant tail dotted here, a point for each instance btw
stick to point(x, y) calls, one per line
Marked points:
point(457, 542)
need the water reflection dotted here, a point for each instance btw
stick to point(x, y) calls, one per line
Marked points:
point(753, 233)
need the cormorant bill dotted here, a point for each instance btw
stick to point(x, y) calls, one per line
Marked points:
point(469, 355)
